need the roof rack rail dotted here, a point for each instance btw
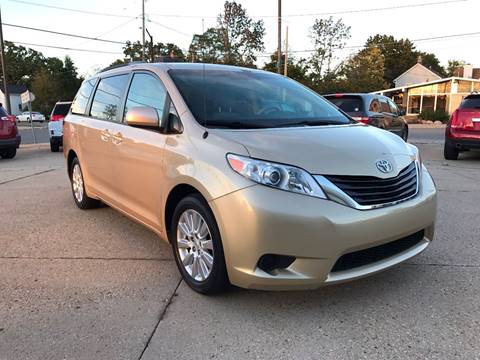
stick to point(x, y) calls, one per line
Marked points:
point(121, 65)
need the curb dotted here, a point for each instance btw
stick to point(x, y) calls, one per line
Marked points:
point(427, 126)
point(35, 146)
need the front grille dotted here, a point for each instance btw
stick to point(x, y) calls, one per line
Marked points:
point(371, 255)
point(370, 190)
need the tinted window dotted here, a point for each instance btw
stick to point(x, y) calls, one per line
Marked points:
point(239, 98)
point(108, 96)
point(146, 90)
point(375, 106)
point(470, 102)
point(79, 105)
point(393, 107)
point(61, 109)
point(384, 106)
point(349, 104)
point(3, 112)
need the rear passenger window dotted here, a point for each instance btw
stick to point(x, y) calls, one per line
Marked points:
point(384, 106)
point(375, 106)
point(393, 107)
point(108, 96)
point(79, 105)
point(146, 91)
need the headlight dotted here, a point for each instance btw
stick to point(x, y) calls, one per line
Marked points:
point(279, 176)
point(415, 155)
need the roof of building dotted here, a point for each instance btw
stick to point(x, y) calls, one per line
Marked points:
point(423, 67)
point(424, 83)
point(15, 88)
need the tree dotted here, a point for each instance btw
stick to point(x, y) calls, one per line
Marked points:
point(133, 52)
point(55, 80)
point(234, 40)
point(400, 55)
point(364, 71)
point(22, 63)
point(297, 69)
point(327, 36)
point(453, 67)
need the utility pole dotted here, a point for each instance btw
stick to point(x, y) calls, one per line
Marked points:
point(285, 65)
point(279, 50)
point(143, 30)
point(152, 55)
point(4, 68)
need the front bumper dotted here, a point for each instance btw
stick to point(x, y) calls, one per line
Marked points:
point(259, 220)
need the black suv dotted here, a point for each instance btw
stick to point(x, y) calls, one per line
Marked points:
point(371, 109)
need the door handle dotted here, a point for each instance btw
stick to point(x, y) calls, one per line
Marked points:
point(105, 135)
point(117, 138)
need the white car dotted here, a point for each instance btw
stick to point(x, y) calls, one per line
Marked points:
point(36, 116)
point(55, 125)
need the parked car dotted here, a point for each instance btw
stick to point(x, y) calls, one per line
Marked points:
point(9, 137)
point(35, 117)
point(463, 129)
point(252, 178)
point(371, 109)
point(55, 126)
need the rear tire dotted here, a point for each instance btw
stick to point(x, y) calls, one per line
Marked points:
point(450, 151)
point(200, 260)
point(54, 147)
point(78, 188)
point(8, 153)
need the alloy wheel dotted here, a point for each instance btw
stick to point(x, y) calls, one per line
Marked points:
point(194, 245)
point(77, 182)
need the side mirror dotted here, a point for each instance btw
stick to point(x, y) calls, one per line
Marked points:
point(143, 116)
point(174, 124)
point(401, 112)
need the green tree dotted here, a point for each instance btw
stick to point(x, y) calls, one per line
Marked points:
point(364, 71)
point(297, 69)
point(133, 52)
point(453, 66)
point(22, 63)
point(431, 61)
point(235, 39)
point(327, 36)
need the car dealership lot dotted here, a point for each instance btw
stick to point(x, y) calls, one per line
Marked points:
point(95, 285)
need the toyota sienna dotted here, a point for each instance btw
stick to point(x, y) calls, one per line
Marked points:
point(253, 179)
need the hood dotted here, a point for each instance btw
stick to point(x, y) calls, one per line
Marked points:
point(326, 150)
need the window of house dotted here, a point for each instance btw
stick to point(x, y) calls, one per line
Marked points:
point(108, 96)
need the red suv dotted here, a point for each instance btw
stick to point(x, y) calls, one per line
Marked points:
point(9, 137)
point(463, 129)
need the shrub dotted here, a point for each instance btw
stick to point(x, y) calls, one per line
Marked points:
point(440, 115)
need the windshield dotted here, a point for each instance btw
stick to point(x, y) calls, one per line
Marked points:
point(470, 102)
point(349, 104)
point(242, 98)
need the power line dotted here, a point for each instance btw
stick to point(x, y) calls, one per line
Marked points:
point(169, 28)
point(64, 34)
point(341, 12)
point(70, 9)
point(112, 29)
point(446, 37)
point(67, 48)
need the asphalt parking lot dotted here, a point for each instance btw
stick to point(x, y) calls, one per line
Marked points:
point(96, 285)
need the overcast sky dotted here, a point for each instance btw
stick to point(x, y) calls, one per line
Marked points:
point(455, 17)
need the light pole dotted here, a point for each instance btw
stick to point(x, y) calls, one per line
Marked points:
point(279, 50)
point(143, 30)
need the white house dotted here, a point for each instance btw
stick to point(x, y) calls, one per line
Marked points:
point(15, 101)
point(415, 75)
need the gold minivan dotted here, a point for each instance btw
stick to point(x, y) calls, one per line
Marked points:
point(254, 179)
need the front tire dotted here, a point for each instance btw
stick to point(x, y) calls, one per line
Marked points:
point(450, 151)
point(197, 246)
point(8, 153)
point(78, 188)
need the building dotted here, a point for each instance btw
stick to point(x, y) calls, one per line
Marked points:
point(15, 101)
point(432, 94)
point(415, 75)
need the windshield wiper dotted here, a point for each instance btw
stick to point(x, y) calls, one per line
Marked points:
point(308, 123)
